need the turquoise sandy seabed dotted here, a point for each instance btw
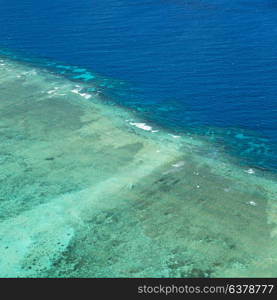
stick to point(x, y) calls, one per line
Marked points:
point(89, 190)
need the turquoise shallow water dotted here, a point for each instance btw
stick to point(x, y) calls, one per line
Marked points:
point(89, 189)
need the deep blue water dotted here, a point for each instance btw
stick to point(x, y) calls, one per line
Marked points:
point(205, 66)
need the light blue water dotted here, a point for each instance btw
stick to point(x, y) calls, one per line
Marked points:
point(205, 66)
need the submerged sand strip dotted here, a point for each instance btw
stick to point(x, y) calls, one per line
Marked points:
point(87, 192)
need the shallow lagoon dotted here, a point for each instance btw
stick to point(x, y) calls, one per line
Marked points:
point(89, 190)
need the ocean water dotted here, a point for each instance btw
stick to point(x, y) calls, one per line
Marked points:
point(198, 66)
point(138, 139)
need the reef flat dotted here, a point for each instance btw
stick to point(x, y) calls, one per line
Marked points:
point(89, 190)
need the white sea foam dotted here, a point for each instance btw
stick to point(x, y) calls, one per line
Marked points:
point(87, 96)
point(51, 92)
point(77, 91)
point(142, 126)
point(250, 171)
point(175, 136)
